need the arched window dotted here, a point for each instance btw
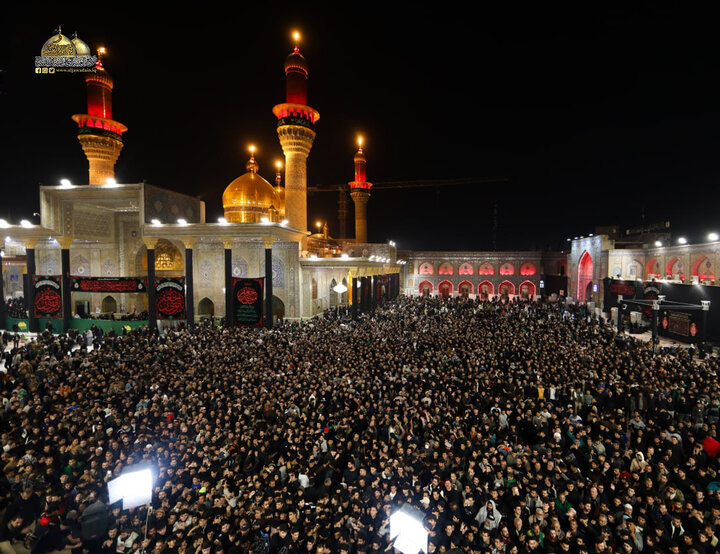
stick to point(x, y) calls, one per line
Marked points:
point(465, 269)
point(528, 268)
point(426, 268)
point(486, 268)
point(446, 269)
point(507, 269)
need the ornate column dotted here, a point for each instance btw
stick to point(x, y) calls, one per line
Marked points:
point(30, 245)
point(151, 242)
point(355, 299)
point(268, 242)
point(189, 243)
point(65, 243)
point(227, 244)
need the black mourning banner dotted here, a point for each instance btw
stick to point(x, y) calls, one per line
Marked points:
point(248, 301)
point(48, 298)
point(108, 284)
point(170, 298)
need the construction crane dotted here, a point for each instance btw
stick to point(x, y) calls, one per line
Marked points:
point(342, 191)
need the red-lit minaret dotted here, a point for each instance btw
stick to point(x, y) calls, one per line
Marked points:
point(100, 136)
point(296, 131)
point(360, 193)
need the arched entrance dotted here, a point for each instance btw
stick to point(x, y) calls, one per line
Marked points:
point(445, 288)
point(465, 289)
point(653, 269)
point(486, 289)
point(334, 296)
point(585, 276)
point(278, 308)
point(425, 288)
point(206, 308)
point(109, 305)
point(527, 290)
point(506, 289)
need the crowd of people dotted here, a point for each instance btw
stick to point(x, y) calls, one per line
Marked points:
point(506, 427)
point(15, 307)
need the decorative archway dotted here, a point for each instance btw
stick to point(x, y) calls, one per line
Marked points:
point(527, 290)
point(426, 268)
point(334, 296)
point(506, 288)
point(585, 276)
point(486, 268)
point(446, 268)
point(674, 267)
point(425, 288)
point(465, 289)
point(445, 288)
point(109, 305)
point(635, 269)
point(528, 268)
point(465, 269)
point(507, 269)
point(206, 308)
point(652, 269)
point(486, 289)
point(278, 307)
point(703, 269)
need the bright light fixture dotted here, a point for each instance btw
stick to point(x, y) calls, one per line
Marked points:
point(284, 222)
point(156, 222)
point(344, 257)
point(222, 221)
point(182, 222)
point(713, 236)
point(340, 288)
point(682, 240)
point(408, 532)
point(133, 488)
point(265, 220)
point(66, 184)
point(25, 223)
point(658, 243)
point(313, 257)
point(4, 224)
point(110, 182)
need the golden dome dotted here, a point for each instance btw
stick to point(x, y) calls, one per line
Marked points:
point(249, 198)
point(58, 45)
point(81, 48)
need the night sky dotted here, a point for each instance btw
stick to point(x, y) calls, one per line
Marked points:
point(594, 116)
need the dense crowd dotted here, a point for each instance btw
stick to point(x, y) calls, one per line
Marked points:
point(522, 427)
point(15, 308)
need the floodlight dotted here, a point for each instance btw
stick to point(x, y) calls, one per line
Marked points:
point(110, 182)
point(156, 222)
point(222, 221)
point(340, 288)
point(25, 223)
point(134, 488)
point(344, 257)
point(682, 240)
point(66, 184)
point(182, 222)
point(713, 236)
point(4, 224)
point(408, 532)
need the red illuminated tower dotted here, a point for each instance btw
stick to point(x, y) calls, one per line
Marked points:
point(100, 136)
point(296, 131)
point(360, 193)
